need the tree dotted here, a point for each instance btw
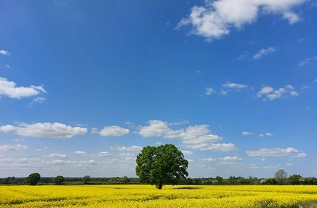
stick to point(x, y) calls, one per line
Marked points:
point(280, 176)
point(295, 179)
point(33, 178)
point(219, 180)
point(160, 165)
point(86, 179)
point(58, 180)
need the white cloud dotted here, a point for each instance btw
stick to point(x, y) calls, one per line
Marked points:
point(202, 139)
point(178, 123)
point(113, 131)
point(268, 134)
point(302, 154)
point(246, 133)
point(8, 147)
point(103, 154)
point(225, 147)
point(263, 52)
point(185, 152)
point(234, 85)
point(9, 89)
point(274, 152)
point(39, 99)
point(227, 88)
point(210, 159)
point(209, 91)
point(58, 156)
point(156, 128)
point(50, 130)
point(130, 148)
point(14, 161)
point(79, 152)
point(270, 93)
point(229, 158)
point(308, 61)
point(217, 18)
point(192, 136)
point(291, 17)
point(5, 53)
point(61, 162)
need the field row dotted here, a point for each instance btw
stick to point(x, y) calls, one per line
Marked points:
point(148, 196)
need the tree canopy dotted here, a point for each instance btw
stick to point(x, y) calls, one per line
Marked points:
point(58, 180)
point(281, 176)
point(33, 178)
point(160, 165)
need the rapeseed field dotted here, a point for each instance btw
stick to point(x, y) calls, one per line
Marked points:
point(123, 196)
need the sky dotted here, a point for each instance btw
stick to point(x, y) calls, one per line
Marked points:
point(85, 85)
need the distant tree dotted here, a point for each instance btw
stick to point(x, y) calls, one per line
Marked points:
point(58, 180)
point(219, 180)
point(33, 178)
point(86, 179)
point(310, 181)
point(280, 176)
point(295, 179)
point(160, 165)
point(269, 181)
point(125, 179)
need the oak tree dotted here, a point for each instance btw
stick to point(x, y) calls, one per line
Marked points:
point(160, 165)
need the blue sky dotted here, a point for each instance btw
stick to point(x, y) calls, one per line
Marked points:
point(84, 85)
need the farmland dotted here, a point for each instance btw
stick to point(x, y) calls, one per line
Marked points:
point(149, 196)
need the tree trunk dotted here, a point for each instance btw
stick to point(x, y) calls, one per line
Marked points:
point(160, 185)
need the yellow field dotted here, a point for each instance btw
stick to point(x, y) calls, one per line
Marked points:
point(148, 196)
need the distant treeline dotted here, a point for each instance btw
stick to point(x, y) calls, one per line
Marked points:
point(232, 180)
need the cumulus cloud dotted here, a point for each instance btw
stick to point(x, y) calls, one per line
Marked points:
point(113, 131)
point(156, 128)
point(270, 93)
point(5, 53)
point(263, 52)
point(217, 18)
point(9, 89)
point(192, 136)
point(130, 148)
point(275, 152)
point(17, 147)
point(49, 130)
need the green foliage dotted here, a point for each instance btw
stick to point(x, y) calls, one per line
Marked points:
point(58, 180)
point(295, 179)
point(281, 176)
point(86, 179)
point(160, 165)
point(33, 178)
